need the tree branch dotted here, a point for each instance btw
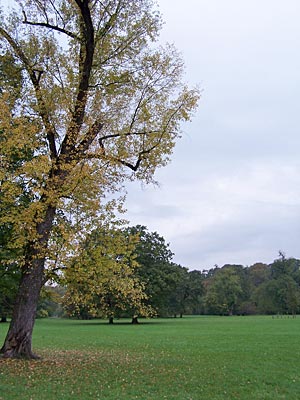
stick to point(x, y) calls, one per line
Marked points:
point(89, 137)
point(87, 48)
point(135, 167)
point(49, 26)
point(117, 135)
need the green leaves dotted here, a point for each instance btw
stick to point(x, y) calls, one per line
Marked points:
point(101, 280)
point(224, 291)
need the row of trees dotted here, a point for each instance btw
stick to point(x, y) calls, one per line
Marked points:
point(170, 289)
point(162, 287)
point(258, 289)
point(130, 272)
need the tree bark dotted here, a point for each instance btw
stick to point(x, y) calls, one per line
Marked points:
point(18, 341)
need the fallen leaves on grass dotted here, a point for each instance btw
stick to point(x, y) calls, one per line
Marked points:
point(70, 371)
point(65, 367)
point(65, 360)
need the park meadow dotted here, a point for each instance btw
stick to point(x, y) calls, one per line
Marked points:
point(190, 358)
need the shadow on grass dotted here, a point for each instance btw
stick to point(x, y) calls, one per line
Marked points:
point(116, 323)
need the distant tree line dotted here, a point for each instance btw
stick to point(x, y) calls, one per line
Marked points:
point(258, 289)
point(130, 273)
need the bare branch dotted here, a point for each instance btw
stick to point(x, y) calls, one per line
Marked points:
point(137, 108)
point(135, 167)
point(118, 135)
point(50, 26)
point(140, 157)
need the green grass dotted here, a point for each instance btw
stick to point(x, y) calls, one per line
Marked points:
point(184, 359)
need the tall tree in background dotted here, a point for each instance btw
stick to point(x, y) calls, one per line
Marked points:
point(280, 294)
point(98, 105)
point(224, 291)
point(189, 292)
point(156, 269)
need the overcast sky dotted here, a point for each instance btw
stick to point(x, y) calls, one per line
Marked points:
point(232, 191)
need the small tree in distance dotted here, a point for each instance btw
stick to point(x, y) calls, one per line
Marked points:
point(101, 281)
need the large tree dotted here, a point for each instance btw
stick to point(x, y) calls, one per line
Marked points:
point(99, 104)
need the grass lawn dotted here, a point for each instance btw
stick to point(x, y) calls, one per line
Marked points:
point(184, 359)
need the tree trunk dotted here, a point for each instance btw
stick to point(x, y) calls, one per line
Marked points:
point(17, 343)
point(3, 318)
point(111, 320)
point(18, 340)
point(134, 320)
